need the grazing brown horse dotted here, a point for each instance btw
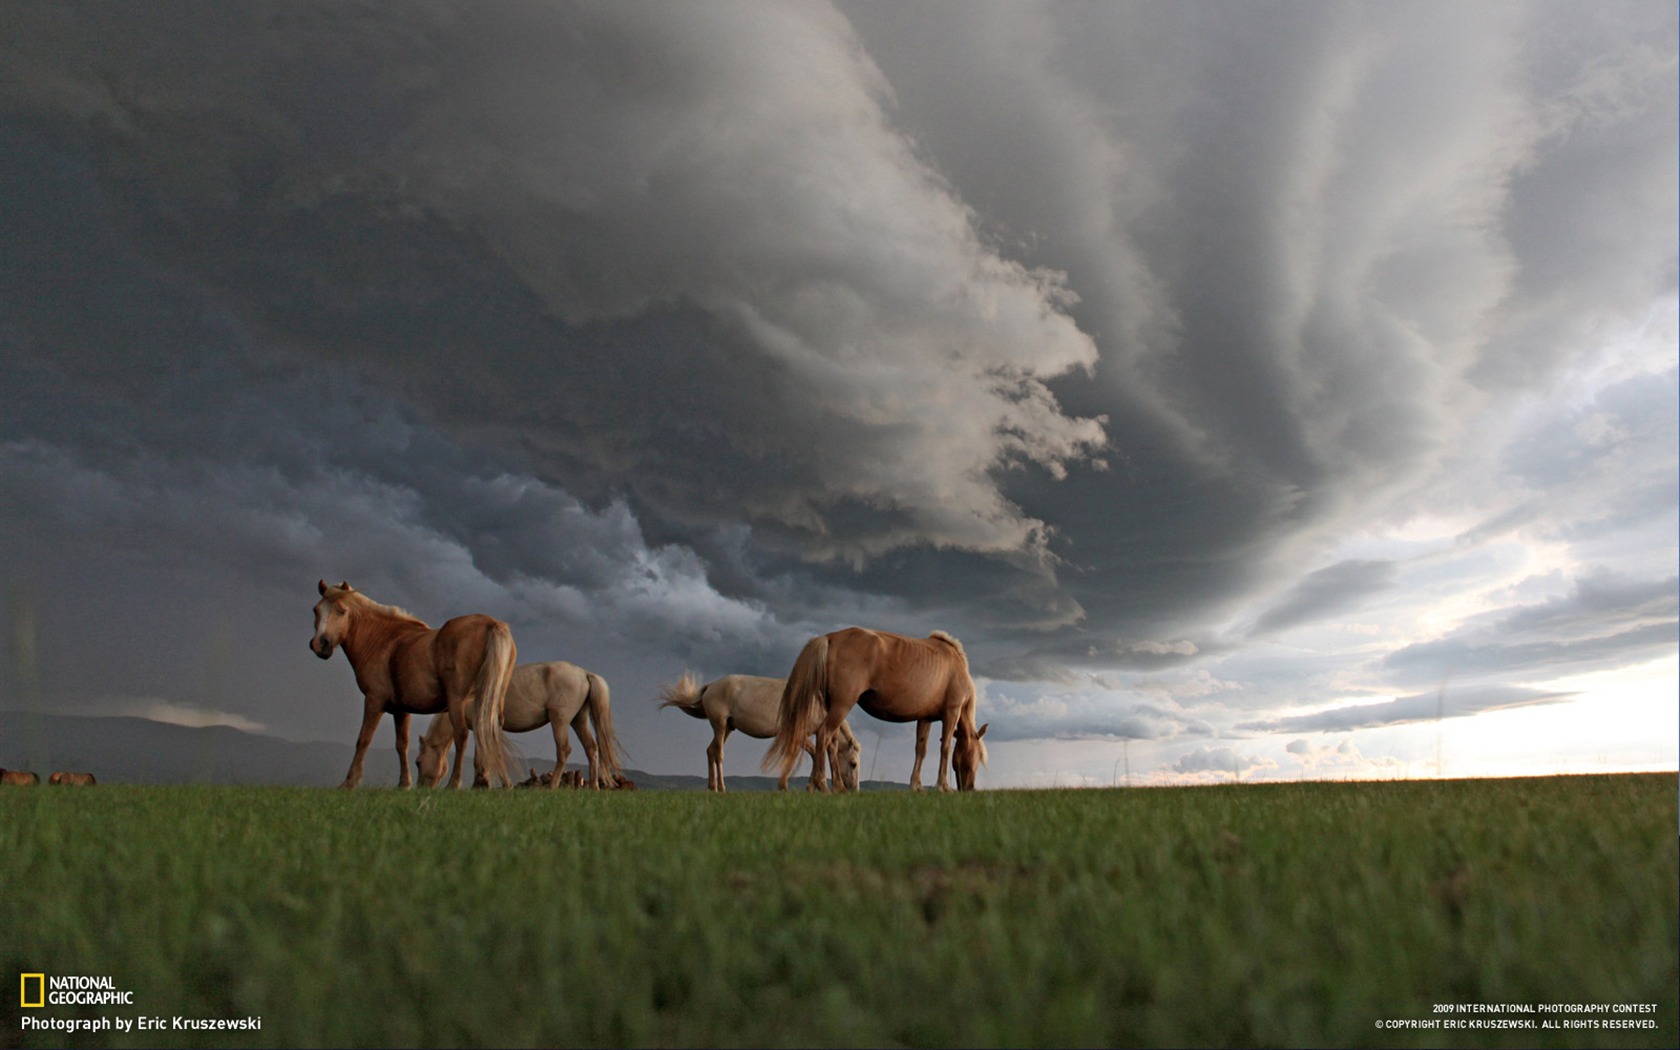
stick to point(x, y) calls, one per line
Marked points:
point(555, 694)
point(72, 779)
point(19, 777)
point(749, 703)
point(893, 678)
point(404, 667)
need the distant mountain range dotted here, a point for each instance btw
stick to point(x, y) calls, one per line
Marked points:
point(141, 751)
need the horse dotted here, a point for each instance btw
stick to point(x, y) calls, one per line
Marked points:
point(535, 780)
point(893, 678)
point(748, 703)
point(555, 694)
point(72, 779)
point(572, 778)
point(406, 668)
point(19, 777)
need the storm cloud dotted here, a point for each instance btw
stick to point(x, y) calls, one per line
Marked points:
point(1424, 707)
point(1181, 359)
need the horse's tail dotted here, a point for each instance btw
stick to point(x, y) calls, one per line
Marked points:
point(600, 717)
point(493, 675)
point(684, 696)
point(804, 704)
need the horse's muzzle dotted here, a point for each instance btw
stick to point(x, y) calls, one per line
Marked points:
point(321, 647)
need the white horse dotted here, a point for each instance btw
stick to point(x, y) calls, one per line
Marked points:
point(555, 694)
point(750, 703)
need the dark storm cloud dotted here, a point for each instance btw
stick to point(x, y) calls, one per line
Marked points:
point(1291, 288)
point(1332, 590)
point(1423, 707)
point(683, 331)
point(1078, 717)
point(836, 321)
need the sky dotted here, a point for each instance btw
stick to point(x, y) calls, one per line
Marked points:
point(1258, 391)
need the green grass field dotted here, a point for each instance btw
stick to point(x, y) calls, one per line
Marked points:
point(1290, 914)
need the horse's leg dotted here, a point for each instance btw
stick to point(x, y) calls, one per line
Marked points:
point(591, 750)
point(921, 753)
point(399, 720)
point(805, 746)
point(842, 688)
point(714, 757)
point(479, 779)
point(371, 712)
point(819, 751)
point(946, 728)
point(562, 751)
point(458, 715)
point(827, 736)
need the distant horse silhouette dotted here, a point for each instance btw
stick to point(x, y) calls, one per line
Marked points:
point(572, 778)
point(555, 694)
point(405, 667)
point(749, 703)
point(893, 678)
point(536, 780)
point(19, 777)
point(72, 779)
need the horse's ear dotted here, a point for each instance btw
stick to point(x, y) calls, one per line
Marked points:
point(983, 729)
point(322, 587)
point(345, 586)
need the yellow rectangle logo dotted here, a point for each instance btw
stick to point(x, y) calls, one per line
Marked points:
point(40, 980)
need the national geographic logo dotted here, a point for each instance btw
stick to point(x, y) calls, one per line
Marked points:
point(36, 990)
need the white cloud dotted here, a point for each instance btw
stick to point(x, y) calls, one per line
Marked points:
point(168, 711)
point(1221, 760)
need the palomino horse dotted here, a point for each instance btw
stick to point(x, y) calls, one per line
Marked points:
point(72, 779)
point(405, 667)
point(749, 703)
point(555, 694)
point(893, 678)
point(19, 777)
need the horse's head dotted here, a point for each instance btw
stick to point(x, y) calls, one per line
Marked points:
point(848, 763)
point(968, 755)
point(428, 768)
point(332, 615)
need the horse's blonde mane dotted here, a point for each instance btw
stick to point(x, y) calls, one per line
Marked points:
point(948, 640)
point(369, 605)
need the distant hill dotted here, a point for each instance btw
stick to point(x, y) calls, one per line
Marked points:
point(140, 751)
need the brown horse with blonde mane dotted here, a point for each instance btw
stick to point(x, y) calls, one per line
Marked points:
point(893, 678)
point(19, 777)
point(406, 668)
point(72, 779)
